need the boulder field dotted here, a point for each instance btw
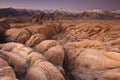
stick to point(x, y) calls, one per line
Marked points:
point(73, 50)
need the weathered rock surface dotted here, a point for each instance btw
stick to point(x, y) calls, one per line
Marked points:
point(55, 55)
point(88, 29)
point(17, 35)
point(85, 49)
point(21, 35)
point(115, 42)
point(29, 65)
point(85, 43)
point(45, 69)
point(91, 64)
point(52, 51)
point(45, 45)
point(34, 40)
point(6, 72)
point(3, 27)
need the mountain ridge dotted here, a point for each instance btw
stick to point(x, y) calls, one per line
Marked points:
point(87, 14)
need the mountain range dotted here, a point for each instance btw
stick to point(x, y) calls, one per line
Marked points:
point(86, 14)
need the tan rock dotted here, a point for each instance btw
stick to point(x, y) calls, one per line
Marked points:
point(45, 45)
point(21, 35)
point(55, 55)
point(17, 35)
point(34, 40)
point(91, 64)
point(85, 43)
point(6, 72)
point(38, 29)
point(43, 70)
point(52, 51)
point(115, 42)
point(29, 65)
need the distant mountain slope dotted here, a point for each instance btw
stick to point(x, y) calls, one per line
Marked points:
point(10, 12)
point(117, 11)
point(99, 14)
point(87, 14)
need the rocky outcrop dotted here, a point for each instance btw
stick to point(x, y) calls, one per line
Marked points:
point(88, 29)
point(17, 35)
point(34, 40)
point(6, 72)
point(27, 64)
point(52, 51)
point(91, 63)
point(63, 50)
point(26, 35)
point(115, 42)
point(85, 43)
point(3, 27)
point(45, 45)
point(84, 30)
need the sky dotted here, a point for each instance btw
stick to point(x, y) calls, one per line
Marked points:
point(66, 4)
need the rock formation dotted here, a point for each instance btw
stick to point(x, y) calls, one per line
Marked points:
point(6, 72)
point(25, 35)
point(62, 49)
point(27, 64)
point(91, 63)
point(52, 51)
point(3, 27)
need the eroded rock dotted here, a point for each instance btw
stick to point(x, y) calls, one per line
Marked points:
point(52, 51)
point(91, 64)
point(25, 62)
point(3, 27)
point(85, 43)
point(34, 40)
point(55, 55)
point(6, 72)
point(17, 35)
point(45, 45)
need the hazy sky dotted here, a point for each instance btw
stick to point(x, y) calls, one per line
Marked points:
point(57, 4)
